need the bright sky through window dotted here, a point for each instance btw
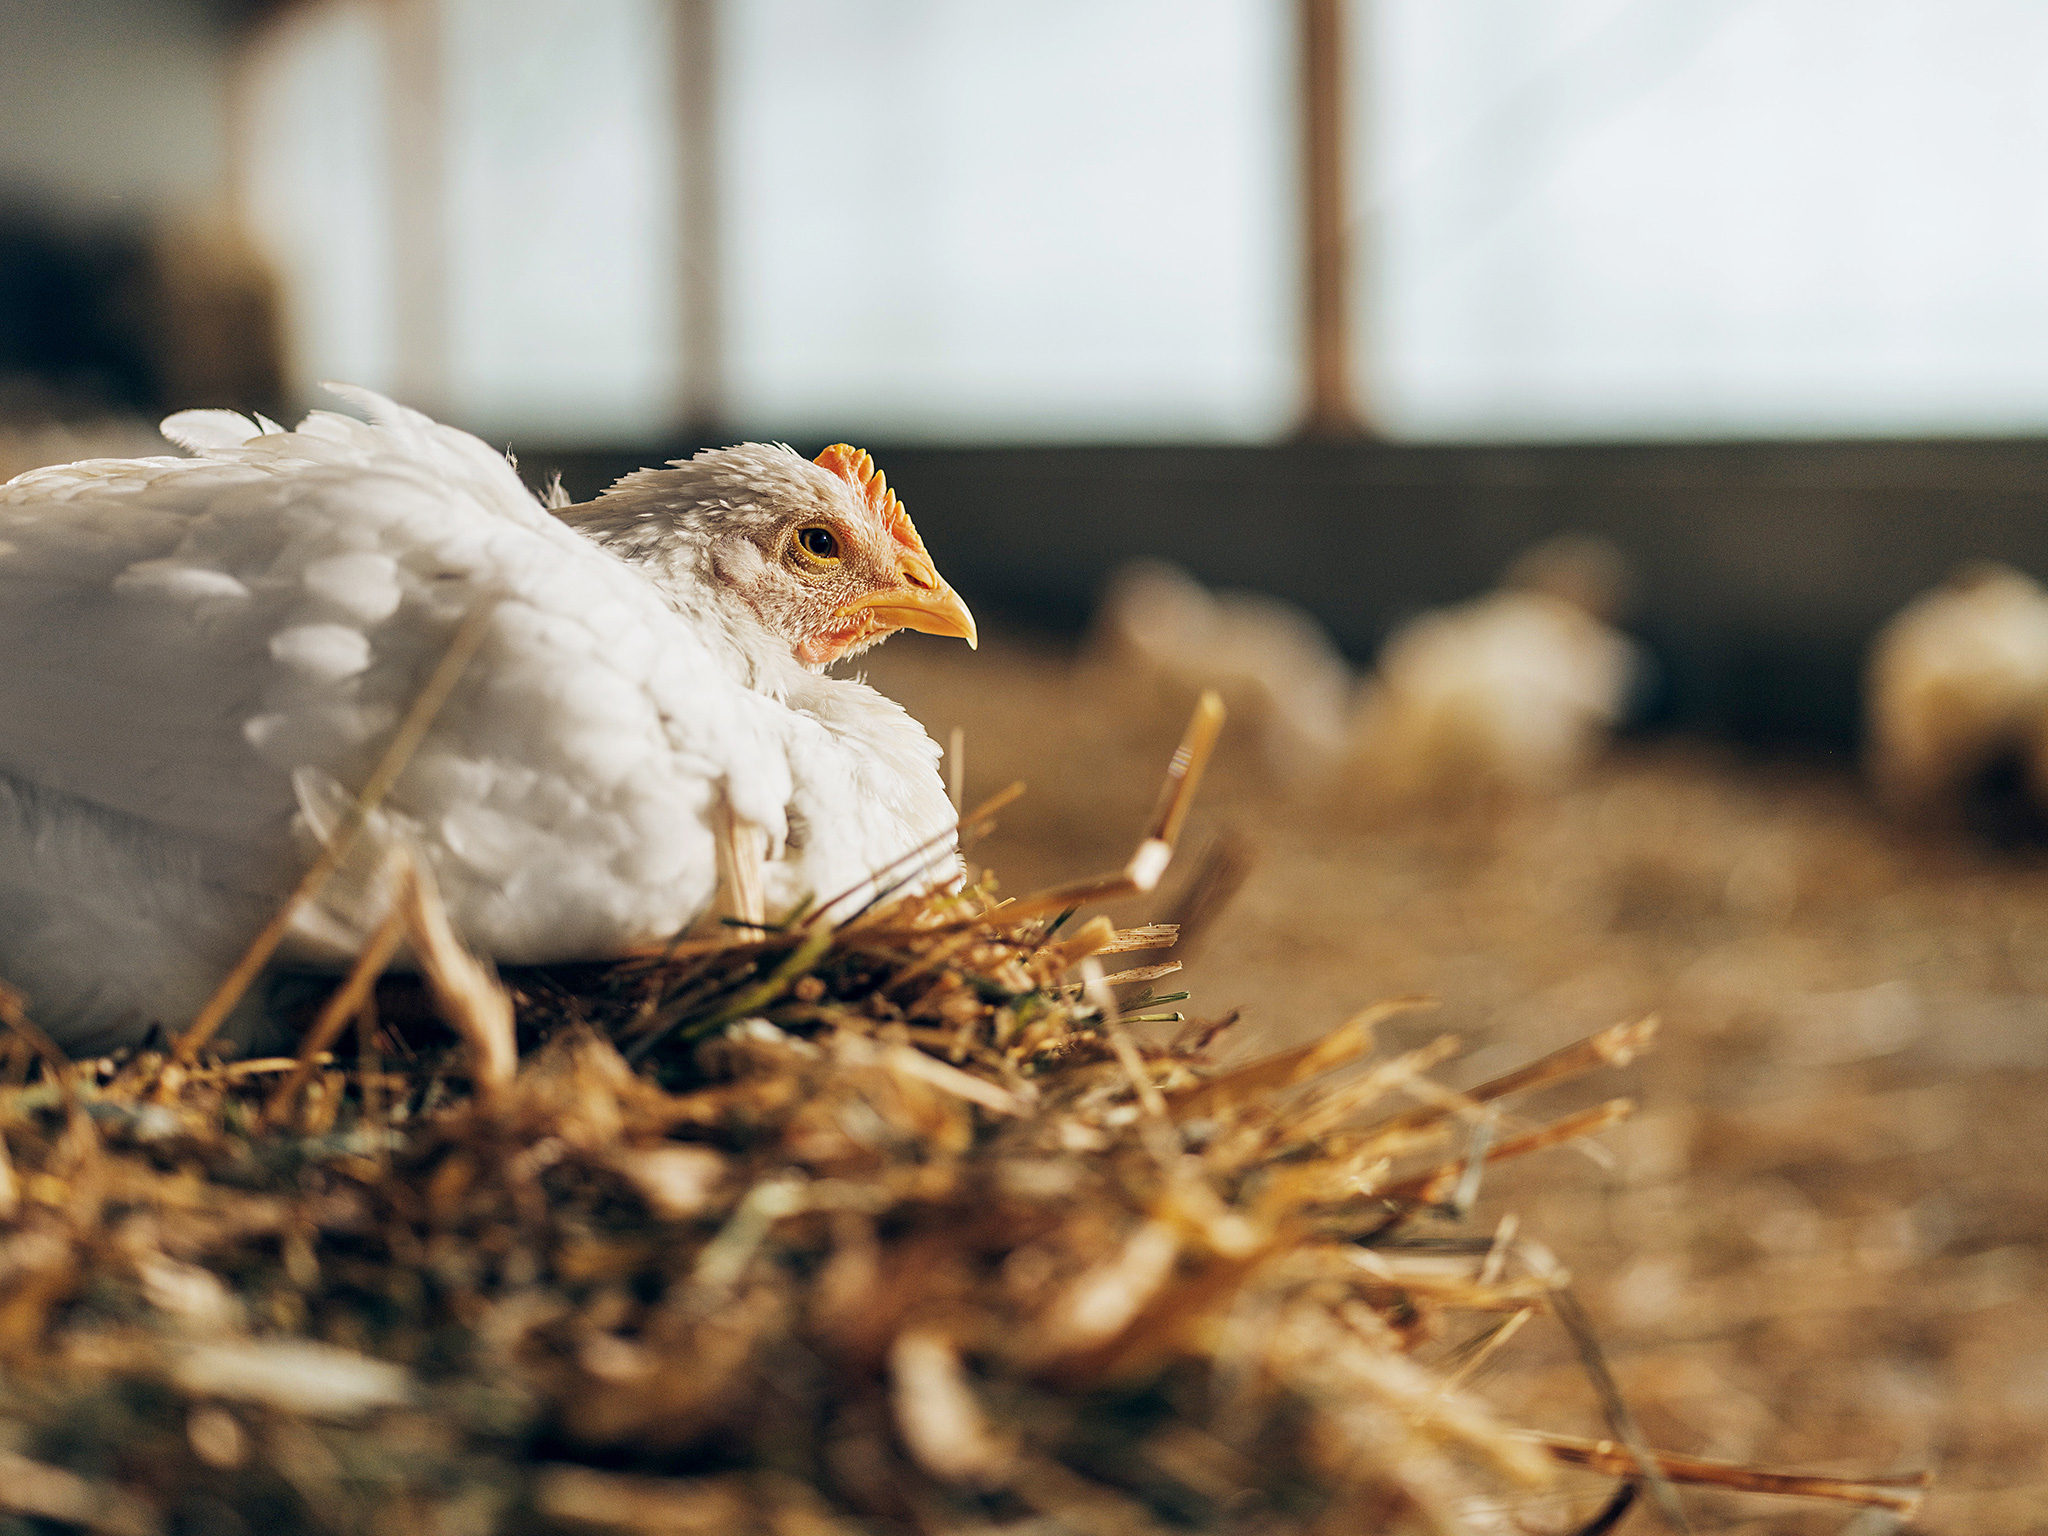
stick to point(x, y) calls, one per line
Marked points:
point(315, 162)
point(939, 219)
point(1594, 218)
point(561, 217)
point(973, 220)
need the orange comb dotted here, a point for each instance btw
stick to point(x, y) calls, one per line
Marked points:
point(857, 468)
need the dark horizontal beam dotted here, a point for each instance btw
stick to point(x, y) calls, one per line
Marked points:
point(1762, 569)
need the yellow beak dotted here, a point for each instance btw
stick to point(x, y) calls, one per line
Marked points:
point(921, 600)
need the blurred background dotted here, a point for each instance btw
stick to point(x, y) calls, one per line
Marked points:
point(1753, 290)
point(1533, 372)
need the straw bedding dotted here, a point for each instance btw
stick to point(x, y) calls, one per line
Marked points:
point(1821, 1238)
point(947, 1219)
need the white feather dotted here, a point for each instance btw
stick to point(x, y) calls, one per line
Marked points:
point(202, 432)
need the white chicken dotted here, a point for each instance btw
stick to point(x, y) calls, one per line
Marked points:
point(204, 656)
point(1163, 637)
point(1958, 680)
point(1512, 691)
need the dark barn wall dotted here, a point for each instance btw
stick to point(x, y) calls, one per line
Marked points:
point(1762, 570)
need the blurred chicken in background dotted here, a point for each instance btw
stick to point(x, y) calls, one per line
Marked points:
point(1163, 637)
point(1515, 691)
point(1957, 694)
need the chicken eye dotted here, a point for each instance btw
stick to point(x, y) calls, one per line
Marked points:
point(818, 542)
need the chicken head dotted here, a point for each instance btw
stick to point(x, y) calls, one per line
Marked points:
point(818, 554)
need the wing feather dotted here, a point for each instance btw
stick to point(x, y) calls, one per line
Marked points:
point(202, 432)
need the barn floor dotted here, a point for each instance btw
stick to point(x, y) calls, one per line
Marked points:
point(1823, 1239)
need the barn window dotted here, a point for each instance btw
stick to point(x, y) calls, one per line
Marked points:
point(959, 220)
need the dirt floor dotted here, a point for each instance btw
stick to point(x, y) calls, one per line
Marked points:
point(1822, 1239)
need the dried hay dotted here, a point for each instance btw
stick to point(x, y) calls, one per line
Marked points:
point(917, 1223)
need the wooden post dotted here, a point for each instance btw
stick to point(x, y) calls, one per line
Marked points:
point(1332, 411)
point(700, 384)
